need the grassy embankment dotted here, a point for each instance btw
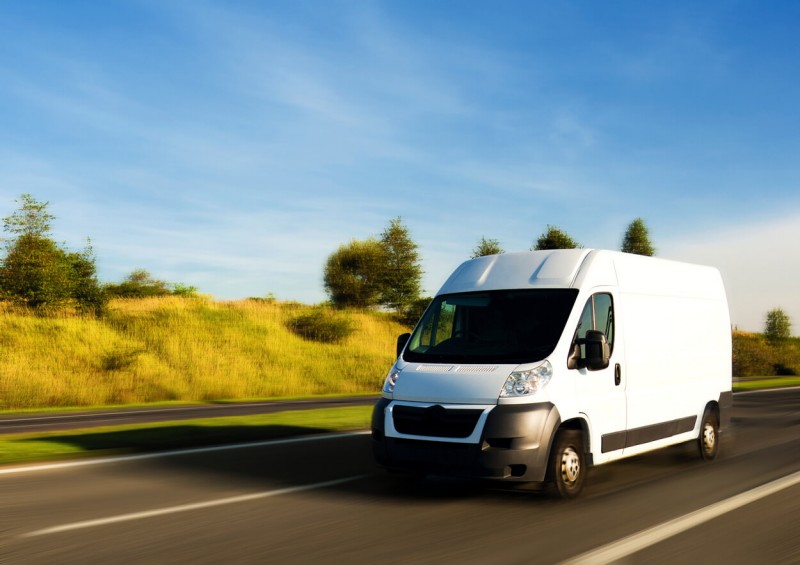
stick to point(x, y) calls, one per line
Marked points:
point(178, 349)
point(169, 350)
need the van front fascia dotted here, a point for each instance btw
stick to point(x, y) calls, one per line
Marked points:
point(513, 445)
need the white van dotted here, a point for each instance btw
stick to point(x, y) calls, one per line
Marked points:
point(529, 367)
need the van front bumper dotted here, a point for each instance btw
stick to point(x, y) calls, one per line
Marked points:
point(514, 445)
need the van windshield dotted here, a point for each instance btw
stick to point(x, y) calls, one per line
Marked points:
point(500, 326)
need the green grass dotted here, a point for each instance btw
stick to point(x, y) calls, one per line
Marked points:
point(176, 404)
point(115, 440)
point(758, 383)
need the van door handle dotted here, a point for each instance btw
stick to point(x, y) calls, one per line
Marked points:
point(617, 374)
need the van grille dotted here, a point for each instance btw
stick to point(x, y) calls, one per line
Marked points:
point(435, 421)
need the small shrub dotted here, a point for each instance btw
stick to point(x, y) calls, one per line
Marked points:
point(119, 359)
point(322, 325)
point(268, 298)
point(180, 289)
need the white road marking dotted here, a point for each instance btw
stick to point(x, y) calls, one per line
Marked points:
point(642, 540)
point(186, 507)
point(174, 452)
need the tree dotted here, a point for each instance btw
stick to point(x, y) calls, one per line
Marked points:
point(35, 273)
point(86, 289)
point(555, 238)
point(139, 284)
point(39, 274)
point(401, 273)
point(353, 274)
point(487, 247)
point(376, 272)
point(778, 326)
point(637, 239)
point(32, 218)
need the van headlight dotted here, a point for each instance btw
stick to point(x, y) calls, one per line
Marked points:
point(391, 380)
point(525, 383)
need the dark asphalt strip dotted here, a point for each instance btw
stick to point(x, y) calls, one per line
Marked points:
point(90, 419)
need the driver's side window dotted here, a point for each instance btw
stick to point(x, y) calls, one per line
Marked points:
point(598, 314)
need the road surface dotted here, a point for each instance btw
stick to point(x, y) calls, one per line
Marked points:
point(322, 500)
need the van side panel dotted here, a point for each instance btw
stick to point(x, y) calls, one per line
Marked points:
point(678, 340)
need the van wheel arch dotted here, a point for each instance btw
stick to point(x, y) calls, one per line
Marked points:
point(568, 459)
point(579, 425)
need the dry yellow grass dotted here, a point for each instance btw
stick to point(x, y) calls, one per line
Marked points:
point(184, 349)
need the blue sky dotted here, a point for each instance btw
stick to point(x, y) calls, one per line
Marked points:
point(234, 145)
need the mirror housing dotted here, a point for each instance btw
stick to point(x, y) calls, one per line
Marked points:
point(597, 350)
point(402, 340)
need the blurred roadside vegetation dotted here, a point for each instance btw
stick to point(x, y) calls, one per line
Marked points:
point(755, 355)
point(173, 348)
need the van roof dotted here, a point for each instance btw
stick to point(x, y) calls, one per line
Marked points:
point(580, 268)
point(531, 269)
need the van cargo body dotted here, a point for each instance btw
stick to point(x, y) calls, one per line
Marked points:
point(529, 367)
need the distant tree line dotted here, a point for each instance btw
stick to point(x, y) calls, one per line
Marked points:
point(38, 273)
point(636, 240)
point(378, 272)
point(141, 284)
point(385, 271)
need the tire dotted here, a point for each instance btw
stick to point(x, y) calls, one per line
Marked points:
point(708, 440)
point(567, 468)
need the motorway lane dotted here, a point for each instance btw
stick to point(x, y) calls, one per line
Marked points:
point(378, 517)
point(767, 531)
point(24, 423)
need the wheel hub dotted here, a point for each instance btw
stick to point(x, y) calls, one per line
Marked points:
point(570, 465)
point(709, 437)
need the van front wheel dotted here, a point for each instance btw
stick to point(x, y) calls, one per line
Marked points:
point(568, 464)
point(708, 441)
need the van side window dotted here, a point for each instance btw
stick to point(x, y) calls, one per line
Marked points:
point(598, 314)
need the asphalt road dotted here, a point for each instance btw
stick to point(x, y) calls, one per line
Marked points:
point(24, 423)
point(324, 501)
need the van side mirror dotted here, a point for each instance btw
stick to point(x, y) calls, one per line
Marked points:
point(402, 340)
point(598, 352)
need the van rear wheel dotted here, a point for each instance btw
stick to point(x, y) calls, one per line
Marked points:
point(708, 441)
point(568, 464)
